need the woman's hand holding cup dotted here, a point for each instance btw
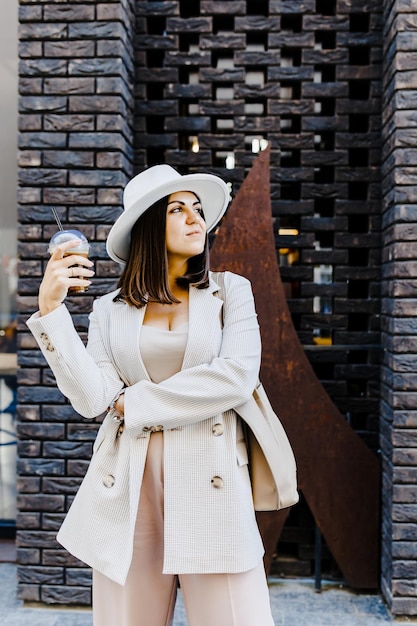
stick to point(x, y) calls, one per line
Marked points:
point(65, 270)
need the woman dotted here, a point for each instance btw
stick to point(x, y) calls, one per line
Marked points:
point(167, 495)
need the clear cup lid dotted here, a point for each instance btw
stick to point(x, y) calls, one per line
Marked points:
point(66, 235)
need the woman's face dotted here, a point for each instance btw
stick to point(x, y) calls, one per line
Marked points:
point(185, 226)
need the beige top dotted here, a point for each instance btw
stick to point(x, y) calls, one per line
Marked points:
point(162, 350)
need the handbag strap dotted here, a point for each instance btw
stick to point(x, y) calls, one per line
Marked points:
point(218, 278)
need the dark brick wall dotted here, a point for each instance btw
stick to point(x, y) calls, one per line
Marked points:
point(398, 315)
point(75, 153)
point(105, 92)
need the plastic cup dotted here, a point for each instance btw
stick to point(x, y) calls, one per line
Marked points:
point(82, 249)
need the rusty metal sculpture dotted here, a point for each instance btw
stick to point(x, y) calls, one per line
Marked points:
point(338, 474)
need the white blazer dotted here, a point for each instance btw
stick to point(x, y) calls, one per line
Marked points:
point(210, 524)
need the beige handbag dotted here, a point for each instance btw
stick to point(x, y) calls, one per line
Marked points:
point(271, 459)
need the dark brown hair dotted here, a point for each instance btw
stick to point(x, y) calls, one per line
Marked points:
point(145, 275)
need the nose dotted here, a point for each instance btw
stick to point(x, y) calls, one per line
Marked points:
point(192, 216)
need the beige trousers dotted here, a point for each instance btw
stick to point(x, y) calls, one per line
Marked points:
point(148, 597)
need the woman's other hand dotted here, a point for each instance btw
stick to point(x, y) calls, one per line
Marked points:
point(60, 276)
point(120, 405)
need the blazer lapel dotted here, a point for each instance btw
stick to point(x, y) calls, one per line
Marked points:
point(204, 321)
point(125, 326)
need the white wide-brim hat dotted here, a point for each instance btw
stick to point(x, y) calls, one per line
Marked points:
point(152, 185)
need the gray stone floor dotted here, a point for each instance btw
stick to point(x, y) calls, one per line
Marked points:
point(294, 603)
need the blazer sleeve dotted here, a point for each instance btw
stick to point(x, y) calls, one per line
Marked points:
point(197, 393)
point(89, 382)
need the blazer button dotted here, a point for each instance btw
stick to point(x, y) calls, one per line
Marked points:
point(108, 481)
point(154, 429)
point(47, 342)
point(217, 430)
point(217, 482)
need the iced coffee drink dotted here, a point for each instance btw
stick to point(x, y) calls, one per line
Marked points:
point(82, 249)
